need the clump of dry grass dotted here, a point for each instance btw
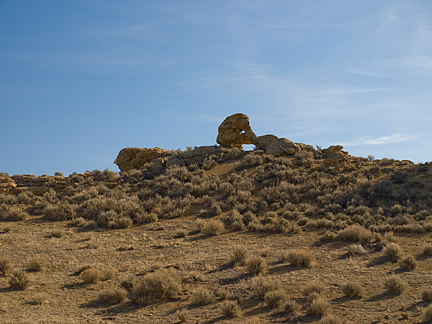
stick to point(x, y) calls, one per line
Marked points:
point(392, 251)
point(262, 285)
point(19, 280)
point(156, 286)
point(330, 319)
point(300, 258)
point(202, 296)
point(239, 256)
point(231, 295)
point(112, 296)
point(315, 287)
point(426, 295)
point(213, 227)
point(37, 263)
point(182, 315)
point(91, 276)
point(352, 290)
point(427, 314)
point(356, 233)
point(408, 263)
point(319, 306)
point(39, 299)
point(290, 307)
point(427, 249)
point(395, 285)
point(275, 298)
point(5, 265)
point(257, 266)
point(230, 308)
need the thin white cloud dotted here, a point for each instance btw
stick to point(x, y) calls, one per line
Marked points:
point(390, 139)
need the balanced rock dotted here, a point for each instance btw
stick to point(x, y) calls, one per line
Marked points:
point(235, 131)
point(134, 157)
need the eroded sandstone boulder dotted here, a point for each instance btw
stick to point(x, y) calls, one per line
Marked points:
point(134, 157)
point(235, 131)
point(272, 144)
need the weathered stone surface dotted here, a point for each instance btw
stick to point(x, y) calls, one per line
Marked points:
point(6, 182)
point(271, 144)
point(332, 149)
point(336, 159)
point(235, 131)
point(134, 158)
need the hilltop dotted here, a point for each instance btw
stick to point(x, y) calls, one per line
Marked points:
point(283, 233)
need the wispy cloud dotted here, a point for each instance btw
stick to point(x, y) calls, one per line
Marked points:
point(390, 139)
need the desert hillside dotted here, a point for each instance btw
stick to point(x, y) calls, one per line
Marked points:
point(220, 235)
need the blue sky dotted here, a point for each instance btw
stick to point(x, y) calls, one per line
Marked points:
point(80, 80)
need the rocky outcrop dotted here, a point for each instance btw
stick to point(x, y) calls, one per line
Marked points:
point(335, 157)
point(235, 131)
point(272, 144)
point(134, 158)
point(6, 182)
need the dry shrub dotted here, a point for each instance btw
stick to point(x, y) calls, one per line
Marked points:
point(392, 250)
point(19, 280)
point(37, 263)
point(262, 285)
point(182, 315)
point(427, 249)
point(5, 264)
point(390, 237)
point(315, 287)
point(59, 212)
point(290, 307)
point(275, 298)
point(257, 266)
point(15, 214)
point(156, 286)
point(213, 227)
point(300, 258)
point(408, 263)
point(352, 290)
point(202, 296)
point(330, 319)
point(91, 276)
point(231, 295)
point(239, 256)
point(427, 295)
point(112, 296)
point(395, 285)
point(356, 233)
point(427, 314)
point(39, 299)
point(230, 308)
point(319, 306)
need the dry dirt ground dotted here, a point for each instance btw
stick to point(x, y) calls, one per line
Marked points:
point(58, 295)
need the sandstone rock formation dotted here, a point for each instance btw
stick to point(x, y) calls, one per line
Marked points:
point(335, 157)
point(272, 144)
point(134, 158)
point(235, 131)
